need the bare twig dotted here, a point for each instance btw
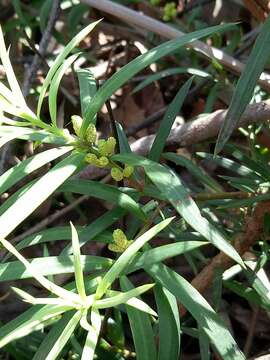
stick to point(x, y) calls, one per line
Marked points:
point(258, 8)
point(193, 132)
point(31, 73)
point(222, 195)
point(166, 31)
point(205, 127)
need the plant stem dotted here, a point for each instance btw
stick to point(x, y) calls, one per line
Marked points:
point(221, 195)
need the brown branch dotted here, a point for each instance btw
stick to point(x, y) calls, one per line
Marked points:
point(258, 8)
point(146, 22)
point(251, 234)
point(221, 195)
point(192, 132)
point(204, 128)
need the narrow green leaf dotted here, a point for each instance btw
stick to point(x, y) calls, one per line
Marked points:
point(138, 64)
point(37, 317)
point(39, 192)
point(195, 170)
point(59, 60)
point(240, 203)
point(63, 264)
point(96, 227)
point(206, 317)
point(168, 120)
point(18, 10)
point(170, 185)
point(47, 284)
point(169, 72)
point(247, 293)
point(44, 14)
point(246, 84)
point(122, 139)
point(204, 345)
point(51, 265)
point(24, 113)
point(230, 165)
point(14, 135)
point(256, 164)
point(75, 16)
point(124, 146)
point(77, 263)
point(260, 283)
point(13, 198)
point(45, 350)
point(162, 253)
point(12, 80)
point(58, 337)
point(31, 320)
point(55, 82)
point(125, 258)
point(92, 336)
point(168, 333)
point(106, 192)
point(88, 88)
point(26, 167)
point(33, 135)
point(141, 328)
point(6, 93)
point(122, 298)
point(48, 235)
point(135, 302)
point(23, 294)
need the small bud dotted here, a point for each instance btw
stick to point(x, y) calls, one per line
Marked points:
point(102, 148)
point(115, 248)
point(128, 171)
point(77, 123)
point(91, 159)
point(119, 237)
point(103, 161)
point(116, 174)
point(110, 145)
point(121, 241)
point(170, 11)
point(91, 134)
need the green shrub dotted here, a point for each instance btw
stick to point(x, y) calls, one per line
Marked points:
point(83, 304)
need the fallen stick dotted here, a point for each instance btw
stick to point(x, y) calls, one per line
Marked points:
point(192, 132)
point(204, 128)
point(146, 22)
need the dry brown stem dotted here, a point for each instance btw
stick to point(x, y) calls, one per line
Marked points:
point(192, 132)
point(204, 128)
point(258, 8)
